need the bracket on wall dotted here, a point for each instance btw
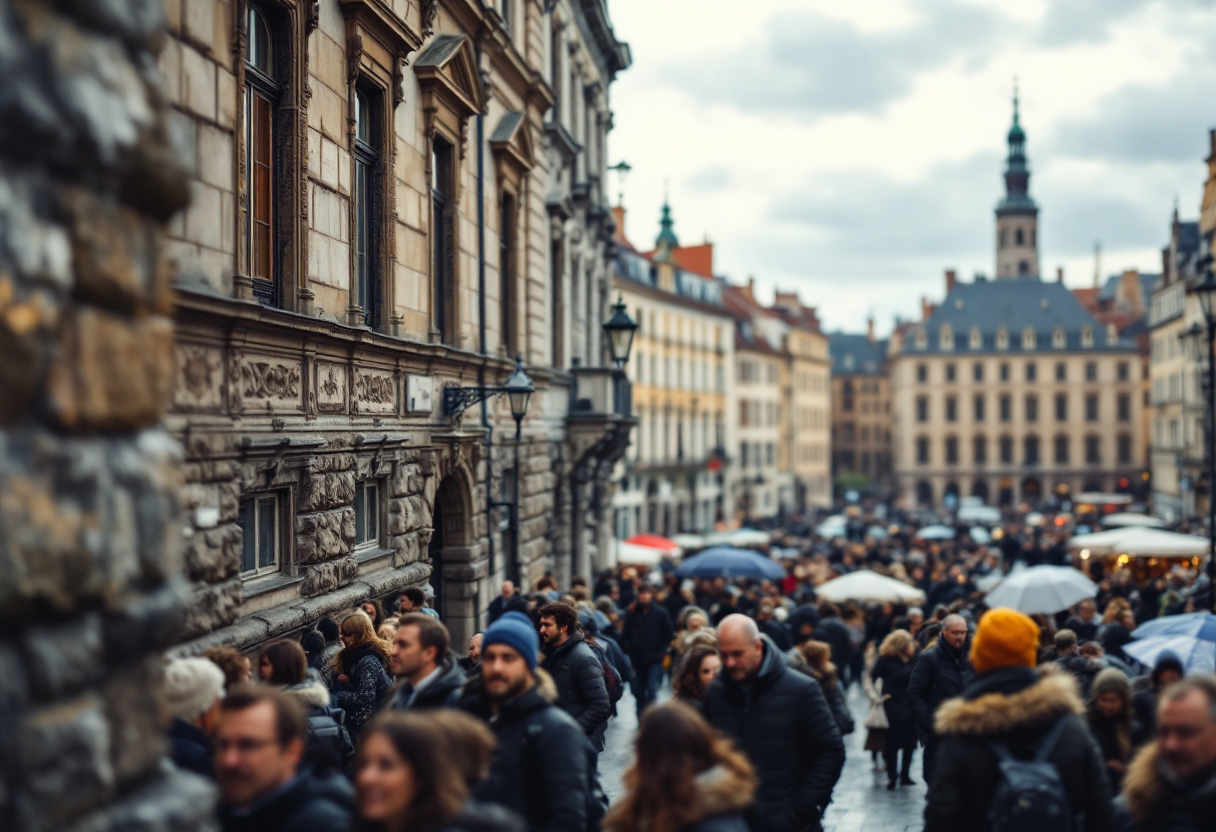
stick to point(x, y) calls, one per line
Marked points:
point(457, 399)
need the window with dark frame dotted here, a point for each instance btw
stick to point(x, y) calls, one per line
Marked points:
point(951, 409)
point(367, 514)
point(1061, 450)
point(262, 92)
point(1061, 371)
point(922, 409)
point(1123, 449)
point(952, 450)
point(1091, 370)
point(506, 272)
point(1091, 408)
point(922, 373)
point(1031, 371)
point(922, 450)
point(443, 253)
point(1006, 408)
point(979, 450)
point(1061, 407)
point(1032, 408)
point(367, 160)
point(1004, 371)
point(1093, 450)
point(1007, 449)
point(1030, 449)
point(977, 407)
point(977, 372)
point(261, 535)
point(1121, 371)
point(1123, 407)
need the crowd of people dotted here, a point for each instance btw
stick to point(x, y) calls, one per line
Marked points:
point(374, 721)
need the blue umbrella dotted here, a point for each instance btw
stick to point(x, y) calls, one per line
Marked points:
point(1198, 656)
point(1200, 625)
point(729, 562)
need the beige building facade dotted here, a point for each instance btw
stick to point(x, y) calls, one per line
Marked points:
point(861, 413)
point(809, 401)
point(373, 228)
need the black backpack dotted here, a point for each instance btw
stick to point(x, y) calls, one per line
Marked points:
point(329, 746)
point(1030, 796)
point(612, 678)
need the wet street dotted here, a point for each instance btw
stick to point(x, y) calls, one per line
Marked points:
point(860, 803)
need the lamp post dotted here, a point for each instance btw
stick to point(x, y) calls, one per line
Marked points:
point(1206, 293)
point(618, 332)
point(1192, 340)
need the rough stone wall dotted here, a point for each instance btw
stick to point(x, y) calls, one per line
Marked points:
point(89, 523)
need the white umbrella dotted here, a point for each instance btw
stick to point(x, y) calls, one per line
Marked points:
point(1045, 589)
point(1140, 542)
point(689, 541)
point(748, 537)
point(868, 586)
point(979, 514)
point(1131, 518)
point(1098, 541)
point(935, 533)
point(637, 555)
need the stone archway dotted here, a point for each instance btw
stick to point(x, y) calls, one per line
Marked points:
point(451, 550)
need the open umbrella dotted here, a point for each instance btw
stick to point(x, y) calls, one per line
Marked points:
point(1130, 518)
point(634, 555)
point(866, 585)
point(655, 541)
point(730, 562)
point(747, 537)
point(1200, 625)
point(1148, 543)
point(936, 533)
point(1198, 656)
point(1045, 589)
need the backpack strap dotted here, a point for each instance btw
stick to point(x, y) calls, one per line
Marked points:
point(1050, 740)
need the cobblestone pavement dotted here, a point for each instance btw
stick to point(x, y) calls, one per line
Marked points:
point(860, 803)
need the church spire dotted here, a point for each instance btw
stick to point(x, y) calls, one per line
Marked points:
point(1017, 214)
point(667, 235)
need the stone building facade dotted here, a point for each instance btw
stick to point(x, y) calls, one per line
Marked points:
point(379, 192)
point(90, 523)
point(675, 478)
point(807, 427)
point(861, 413)
point(1010, 390)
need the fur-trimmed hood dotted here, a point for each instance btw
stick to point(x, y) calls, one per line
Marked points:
point(309, 694)
point(720, 790)
point(996, 713)
point(1145, 786)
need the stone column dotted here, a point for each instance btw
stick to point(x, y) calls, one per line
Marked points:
point(89, 519)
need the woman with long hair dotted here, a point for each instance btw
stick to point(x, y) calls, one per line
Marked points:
point(1109, 714)
point(818, 658)
point(283, 664)
point(699, 667)
point(361, 671)
point(405, 779)
point(894, 667)
point(686, 778)
point(375, 611)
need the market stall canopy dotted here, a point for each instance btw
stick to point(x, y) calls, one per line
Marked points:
point(1097, 541)
point(979, 514)
point(935, 533)
point(655, 541)
point(746, 537)
point(690, 541)
point(1042, 589)
point(1140, 542)
point(1130, 518)
point(866, 585)
point(634, 555)
point(730, 562)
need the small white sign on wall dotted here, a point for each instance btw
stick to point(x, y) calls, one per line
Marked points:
point(419, 394)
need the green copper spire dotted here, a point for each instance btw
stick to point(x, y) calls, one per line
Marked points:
point(667, 236)
point(1017, 198)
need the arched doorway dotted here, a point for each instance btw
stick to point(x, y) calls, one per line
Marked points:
point(950, 495)
point(924, 494)
point(1032, 490)
point(979, 489)
point(1005, 495)
point(448, 531)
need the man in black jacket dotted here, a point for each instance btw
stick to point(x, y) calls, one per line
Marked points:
point(259, 744)
point(1011, 704)
point(646, 636)
point(835, 633)
point(940, 673)
point(781, 720)
point(542, 767)
point(577, 673)
point(429, 677)
point(504, 602)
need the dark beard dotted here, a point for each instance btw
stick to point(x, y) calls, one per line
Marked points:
point(511, 692)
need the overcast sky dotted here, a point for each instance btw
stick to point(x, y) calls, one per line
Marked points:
point(854, 150)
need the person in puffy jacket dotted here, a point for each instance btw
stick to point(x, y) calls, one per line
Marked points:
point(894, 668)
point(1110, 722)
point(283, 665)
point(940, 673)
point(193, 690)
point(781, 721)
point(576, 671)
point(360, 671)
point(645, 637)
point(1011, 703)
point(817, 663)
point(428, 676)
point(685, 778)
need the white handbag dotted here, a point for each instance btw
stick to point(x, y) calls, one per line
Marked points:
point(876, 719)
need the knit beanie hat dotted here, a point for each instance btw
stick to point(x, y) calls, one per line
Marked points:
point(1167, 660)
point(192, 686)
point(1004, 638)
point(514, 630)
point(1112, 679)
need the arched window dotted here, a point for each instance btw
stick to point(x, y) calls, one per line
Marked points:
point(947, 337)
point(1018, 237)
point(1059, 339)
point(1087, 337)
point(976, 340)
point(922, 339)
point(262, 91)
point(1029, 338)
point(1004, 237)
point(1002, 339)
point(1023, 267)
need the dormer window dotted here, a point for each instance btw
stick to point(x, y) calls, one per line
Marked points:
point(947, 337)
point(1087, 337)
point(1002, 339)
point(1059, 339)
point(1112, 335)
point(975, 341)
point(1029, 338)
point(922, 339)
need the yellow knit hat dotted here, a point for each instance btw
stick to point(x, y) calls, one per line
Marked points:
point(1005, 638)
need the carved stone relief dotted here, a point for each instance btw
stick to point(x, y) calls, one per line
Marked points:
point(200, 378)
point(270, 384)
point(331, 387)
point(375, 392)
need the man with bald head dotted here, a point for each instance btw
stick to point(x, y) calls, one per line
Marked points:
point(782, 721)
point(940, 673)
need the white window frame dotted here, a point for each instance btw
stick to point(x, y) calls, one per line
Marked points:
point(278, 501)
point(378, 502)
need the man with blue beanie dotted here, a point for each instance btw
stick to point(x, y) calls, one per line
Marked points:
point(543, 766)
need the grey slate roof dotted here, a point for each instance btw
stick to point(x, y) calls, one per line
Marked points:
point(1147, 282)
point(1013, 305)
point(855, 354)
point(441, 48)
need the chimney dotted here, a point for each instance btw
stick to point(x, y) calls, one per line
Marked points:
point(925, 309)
point(1059, 274)
point(618, 219)
point(750, 290)
point(870, 329)
point(951, 280)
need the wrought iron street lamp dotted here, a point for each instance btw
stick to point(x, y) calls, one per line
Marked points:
point(1206, 294)
point(618, 332)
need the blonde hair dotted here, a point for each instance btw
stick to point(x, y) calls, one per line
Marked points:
point(359, 625)
point(895, 644)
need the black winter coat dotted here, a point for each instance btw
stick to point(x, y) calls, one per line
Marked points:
point(308, 804)
point(781, 720)
point(1017, 707)
point(190, 748)
point(896, 675)
point(1083, 669)
point(581, 691)
point(443, 692)
point(368, 684)
point(543, 767)
point(1150, 803)
point(646, 635)
point(938, 674)
point(835, 633)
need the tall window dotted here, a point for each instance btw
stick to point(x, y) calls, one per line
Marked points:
point(977, 371)
point(1006, 449)
point(261, 94)
point(443, 233)
point(506, 272)
point(1091, 407)
point(979, 450)
point(367, 159)
point(922, 450)
point(1123, 407)
point(1093, 450)
point(1032, 408)
point(1061, 371)
point(1061, 407)
point(1032, 371)
point(1123, 448)
point(951, 409)
point(1004, 371)
point(1091, 370)
point(977, 407)
point(367, 514)
point(922, 373)
point(1030, 447)
point(1061, 450)
point(922, 409)
point(557, 321)
point(952, 450)
point(950, 372)
point(1121, 371)
point(1006, 408)
point(261, 535)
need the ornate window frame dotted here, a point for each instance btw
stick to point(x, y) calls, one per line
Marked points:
point(514, 157)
